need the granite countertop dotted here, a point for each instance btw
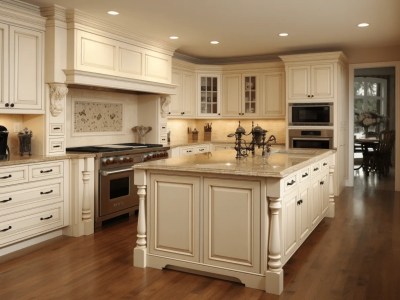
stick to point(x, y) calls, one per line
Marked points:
point(279, 163)
point(200, 142)
point(28, 159)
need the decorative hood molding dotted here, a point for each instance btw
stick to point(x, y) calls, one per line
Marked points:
point(84, 78)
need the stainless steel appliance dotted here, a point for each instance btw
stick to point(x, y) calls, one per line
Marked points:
point(115, 192)
point(304, 138)
point(4, 150)
point(310, 114)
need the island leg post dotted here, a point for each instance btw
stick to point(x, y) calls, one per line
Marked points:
point(274, 272)
point(140, 251)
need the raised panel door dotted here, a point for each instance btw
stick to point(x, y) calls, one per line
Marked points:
point(289, 216)
point(298, 82)
point(174, 207)
point(157, 67)
point(232, 223)
point(274, 102)
point(26, 68)
point(303, 215)
point(322, 81)
point(315, 202)
point(188, 94)
point(231, 94)
point(4, 44)
point(324, 193)
point(175, 107)
point(131, 61)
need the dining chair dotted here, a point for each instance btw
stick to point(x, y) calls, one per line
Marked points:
point(383, 154)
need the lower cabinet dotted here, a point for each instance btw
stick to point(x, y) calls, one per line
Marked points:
point(32, 200)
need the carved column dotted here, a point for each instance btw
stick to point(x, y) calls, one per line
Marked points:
point(165, 101)
point(86, 207)
point(139, 257)
point(274, 273)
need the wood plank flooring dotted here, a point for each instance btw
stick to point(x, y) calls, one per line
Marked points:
point(356, 255)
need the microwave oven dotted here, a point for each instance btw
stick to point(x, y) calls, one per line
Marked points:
point(310, 114)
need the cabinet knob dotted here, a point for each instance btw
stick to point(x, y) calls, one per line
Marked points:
point(322, 182)
point(7, 105)
point(182, 113)
point(12, 104)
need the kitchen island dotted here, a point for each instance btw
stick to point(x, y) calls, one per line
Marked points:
point(240, 219)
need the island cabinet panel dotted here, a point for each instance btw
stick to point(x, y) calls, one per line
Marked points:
point(289, 210)
point(232, 223)
point(174, 207)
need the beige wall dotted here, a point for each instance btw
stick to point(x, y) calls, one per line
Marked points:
point(221, 128)
point(372, 55)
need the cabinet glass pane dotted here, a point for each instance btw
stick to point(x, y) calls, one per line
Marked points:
point(209, 95)
point(250, 94)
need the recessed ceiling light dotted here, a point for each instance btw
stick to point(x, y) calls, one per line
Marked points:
point(363, 25)
point(283, 34)
point(113, 13)
point(214, 42)
point(174, 37)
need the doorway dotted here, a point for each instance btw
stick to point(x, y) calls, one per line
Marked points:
point(374, 88)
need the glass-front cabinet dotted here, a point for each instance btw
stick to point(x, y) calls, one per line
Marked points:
point(250, 95)
point(209, 95)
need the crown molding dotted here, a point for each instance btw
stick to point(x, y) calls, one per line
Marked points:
point(21, 13)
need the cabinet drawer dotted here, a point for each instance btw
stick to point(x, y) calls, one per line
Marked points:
point(56, 129)
point(325, 164)
point(56, 145)
point(26, 224)
point(202, 149)
point(46, 170)
point(315, 168)
point(34, 194)
point(187, 151)
point(13, 175)
point(290, 182)
point(304, 174)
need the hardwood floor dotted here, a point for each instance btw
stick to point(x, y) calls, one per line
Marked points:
point(356, 255)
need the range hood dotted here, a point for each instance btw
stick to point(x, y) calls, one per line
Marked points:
point(104, 81)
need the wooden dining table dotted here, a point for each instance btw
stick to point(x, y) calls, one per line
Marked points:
point(369, 146)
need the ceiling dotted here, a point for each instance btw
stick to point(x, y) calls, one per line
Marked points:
point(250, 28)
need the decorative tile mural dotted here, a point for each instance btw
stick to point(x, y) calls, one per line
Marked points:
point(97, 117)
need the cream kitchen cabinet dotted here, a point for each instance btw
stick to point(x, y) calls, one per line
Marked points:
point(183, 104)
point(273, 95)
point(240, 95)
point(209, 89)
point(21, 69)
point(313, 81)
point(32, 200)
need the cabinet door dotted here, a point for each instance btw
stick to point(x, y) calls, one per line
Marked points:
point(174, 207)
point(324, 193)
point(4, 44)
point(175, 107)
point(303, 219)
point(322, 81)
point(315, 202)
point(26, 68)
point(232, 224)
point(251, 95)
point(231, 95)
point(209, 95)
point(298, 79)
point(274, 103)
point(188, 93)
point(289, 226)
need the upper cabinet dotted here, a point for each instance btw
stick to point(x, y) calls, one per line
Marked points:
point(273, 94)
point(209, 87)
point(240, 95)
point(21, 69)
point(311, 81)
point(183, 103)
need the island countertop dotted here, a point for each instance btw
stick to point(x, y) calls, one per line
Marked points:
point(279, 163)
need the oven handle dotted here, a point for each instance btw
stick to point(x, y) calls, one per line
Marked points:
point(106, 173)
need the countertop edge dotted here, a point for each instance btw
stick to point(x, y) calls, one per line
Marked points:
point(19, 160)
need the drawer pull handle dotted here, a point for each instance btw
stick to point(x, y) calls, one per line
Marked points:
point(46, 218)
point(316, 169)
point(322, 182)
point(291, 183)
point(4, 201)
point(299, 202)
point(5, 177)
point(6, 229)
point(46, 171)
point(56, 146)
point(45, 193)
point(304, 175)
point(324, 164)
point(56, 128)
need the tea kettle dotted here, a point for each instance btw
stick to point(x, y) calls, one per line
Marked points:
point(4, 150)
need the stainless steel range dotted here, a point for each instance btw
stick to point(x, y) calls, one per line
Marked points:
point(115, 192)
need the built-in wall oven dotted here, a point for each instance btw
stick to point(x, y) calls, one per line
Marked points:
point(115, 191)
point(310, 114)
point(311, 138)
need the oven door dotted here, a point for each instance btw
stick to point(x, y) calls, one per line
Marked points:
point(117, 191)
point(321, 143)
